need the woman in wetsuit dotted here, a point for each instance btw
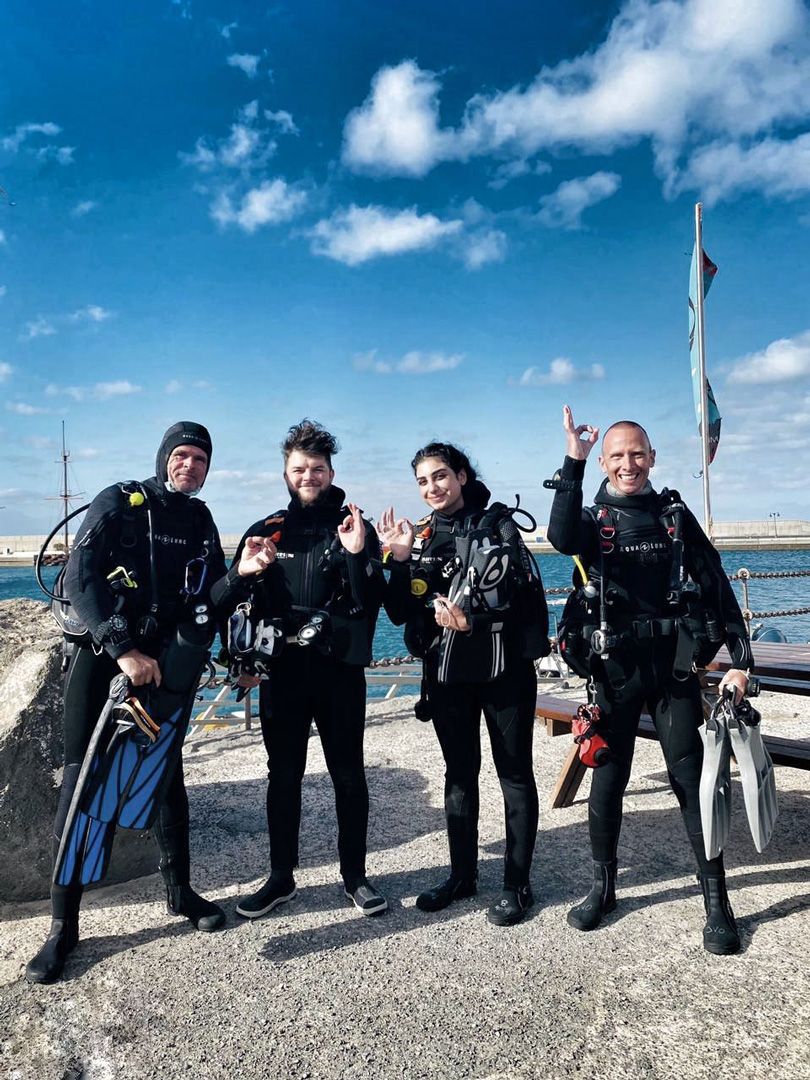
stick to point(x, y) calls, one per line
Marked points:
point(477, 647)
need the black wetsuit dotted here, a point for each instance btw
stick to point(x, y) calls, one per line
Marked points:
point(507, 702)
point(639, 670)
point(324, 681)
point(114, 534)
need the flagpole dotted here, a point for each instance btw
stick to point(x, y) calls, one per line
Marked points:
point(701, 344)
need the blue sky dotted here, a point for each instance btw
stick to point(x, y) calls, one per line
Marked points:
point(408, 221)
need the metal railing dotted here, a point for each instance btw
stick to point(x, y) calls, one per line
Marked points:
point(396, 672)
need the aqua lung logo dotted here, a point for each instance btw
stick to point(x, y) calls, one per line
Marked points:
point(168, 540)
point(645, 546)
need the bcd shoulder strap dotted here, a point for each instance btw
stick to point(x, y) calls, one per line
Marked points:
point(133, 498)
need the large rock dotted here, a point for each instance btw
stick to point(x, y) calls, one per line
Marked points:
point(31, 757)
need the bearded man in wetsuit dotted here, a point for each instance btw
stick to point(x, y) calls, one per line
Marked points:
point(313, 570)
point(625, 543)
point(172, 563)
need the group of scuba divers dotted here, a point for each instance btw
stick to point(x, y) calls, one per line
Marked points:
point(146, 587)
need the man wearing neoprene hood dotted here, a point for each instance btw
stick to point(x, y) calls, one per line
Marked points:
point(140, 569)
point(651, 602)
point(310, 576)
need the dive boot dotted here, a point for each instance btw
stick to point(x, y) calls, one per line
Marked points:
point(720, 934)
point(441, 896)
point(47, 965)
point(511, 905)
point(201, 913)
point(278, 889)
point(175, 868)
point(599, 901)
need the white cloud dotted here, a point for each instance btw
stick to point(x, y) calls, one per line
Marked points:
point(3, 240)
point(271, 203)
point(485, 246)
point(395, 131)
point(91, 313)
point(412, 363)
point(173, 387)
point(560, 372)
point(62, 155)
point(240, 147)
point(781, 361)
point(564, 207)
point(101, 391)
point(39, 327)
point(246, 147)
point(226, 474)
point(361, 233)
point(3, 291)
point(12, 143)
point(82, 208)
point(226, 30)
point(512, 170)
point(22, 409)
point(87, 452)
point(776, 167)
point(247, 62)
point(678, 73)
point(121, 388)
point(239, 478)
point(78, 393)
point(5, 371)
point(283, 120)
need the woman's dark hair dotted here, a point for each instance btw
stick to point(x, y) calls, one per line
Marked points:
point(453, 458)
point(312, 438)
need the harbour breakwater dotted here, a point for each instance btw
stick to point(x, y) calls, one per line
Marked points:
point(775, 534)
point(31, 757)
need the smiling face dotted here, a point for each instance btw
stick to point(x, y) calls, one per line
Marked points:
point(186, 468)
point(308, 476)
point(440, 487)
point(627, 458)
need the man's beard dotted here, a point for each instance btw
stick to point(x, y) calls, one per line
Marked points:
point(310, 504)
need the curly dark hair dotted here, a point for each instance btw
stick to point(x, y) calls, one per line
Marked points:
point(452, 456)
point(310, 437)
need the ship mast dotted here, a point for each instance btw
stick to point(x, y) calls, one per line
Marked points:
point(65, 495)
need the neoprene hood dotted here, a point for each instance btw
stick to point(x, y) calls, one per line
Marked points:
point(183, 433)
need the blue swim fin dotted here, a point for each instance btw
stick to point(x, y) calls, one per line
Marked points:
point(129, 786)
point(80, 841)
point(130, 762)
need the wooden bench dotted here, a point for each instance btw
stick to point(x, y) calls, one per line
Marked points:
point(780, 667)
point(557, 715)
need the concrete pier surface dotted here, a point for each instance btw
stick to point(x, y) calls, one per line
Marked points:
point(314, 991)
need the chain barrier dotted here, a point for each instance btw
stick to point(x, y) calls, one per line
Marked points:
point(773, 614)
point(394, 661)
point(746, 575)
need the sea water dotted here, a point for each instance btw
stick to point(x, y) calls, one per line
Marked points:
point(768, 594)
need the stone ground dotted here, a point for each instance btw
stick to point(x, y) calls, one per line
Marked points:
point(315, 991)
